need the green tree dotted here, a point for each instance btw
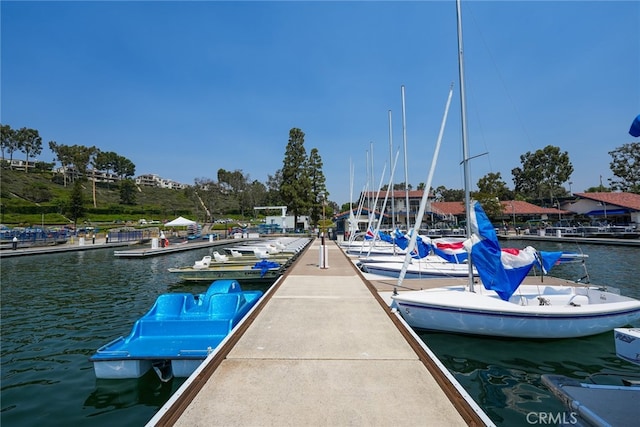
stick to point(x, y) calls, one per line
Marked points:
point(127, 192)
point(443, 194)
point(274, 182)
point(81, 156)
point(625, 165)
point(63, 155)
point(543, 173)
point(76, 203)
point(254, 195)
point(296, 185)
point(8, 141)
point(490, 203)
point(30, 143)
point(123, 167)
point(93, 161)
point(401, 186)
point(106, 162)
point(598, 189)
point(233, 185)
point(319, 194)
point(492, 184)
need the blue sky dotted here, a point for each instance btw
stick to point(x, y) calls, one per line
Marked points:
point(183, 89)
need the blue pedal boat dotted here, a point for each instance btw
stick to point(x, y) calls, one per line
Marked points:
point(177, 334)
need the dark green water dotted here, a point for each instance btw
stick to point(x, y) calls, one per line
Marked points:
point(503, 375)
point(58, 309)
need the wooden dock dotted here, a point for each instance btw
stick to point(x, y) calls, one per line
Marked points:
point(321, 348)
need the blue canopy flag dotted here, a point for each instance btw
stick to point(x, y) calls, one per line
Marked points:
point(635, 127)
point(501, 270)
point(422, 248)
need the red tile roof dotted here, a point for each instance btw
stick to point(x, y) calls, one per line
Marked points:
point(509, 207)
point(625, 200)
point(454, 208)
point(525, 208)
point(396, 194)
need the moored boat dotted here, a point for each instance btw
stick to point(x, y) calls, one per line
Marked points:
point(263, 270)
point(177, 333)
point(286, 245)
point(505, 308)
point(603, 404)
point(533, 311)
point(627, 342)
point(422, 268)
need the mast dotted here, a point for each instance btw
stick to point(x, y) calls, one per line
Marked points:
point(352, 218)
point(406, 166)
point(465, 144)
point(425, 195)
point(393, 206)
point(367, 165)
point(384, 204)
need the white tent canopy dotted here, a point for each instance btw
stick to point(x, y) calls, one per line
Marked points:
point(179, 222)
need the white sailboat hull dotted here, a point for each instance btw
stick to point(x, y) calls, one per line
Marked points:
point(379, 248)
point(627, 342)
point(569, 311)
point(418, 269)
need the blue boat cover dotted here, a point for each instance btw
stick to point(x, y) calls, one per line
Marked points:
point(635, 127)
point(498, 274)
point(265, 266)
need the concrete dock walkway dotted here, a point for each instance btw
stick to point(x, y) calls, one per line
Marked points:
point(320, 350)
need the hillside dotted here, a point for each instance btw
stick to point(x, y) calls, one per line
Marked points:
point(35, 198)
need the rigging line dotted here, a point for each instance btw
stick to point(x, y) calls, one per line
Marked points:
point(384, 204)
point(425, 195)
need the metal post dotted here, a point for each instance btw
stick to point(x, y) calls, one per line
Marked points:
point(323, 247)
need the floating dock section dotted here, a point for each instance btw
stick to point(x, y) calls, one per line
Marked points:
point(321, 348)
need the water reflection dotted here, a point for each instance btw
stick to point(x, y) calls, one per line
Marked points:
point(117, 394)
point(56, 311)
point(504, 375)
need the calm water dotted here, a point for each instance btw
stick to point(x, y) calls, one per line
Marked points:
point(58, 309)
point(503, 375)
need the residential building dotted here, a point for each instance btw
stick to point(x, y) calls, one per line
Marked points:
point(609, 207)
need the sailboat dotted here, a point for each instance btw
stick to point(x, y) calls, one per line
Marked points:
point(503, 307)
point(427, 260)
